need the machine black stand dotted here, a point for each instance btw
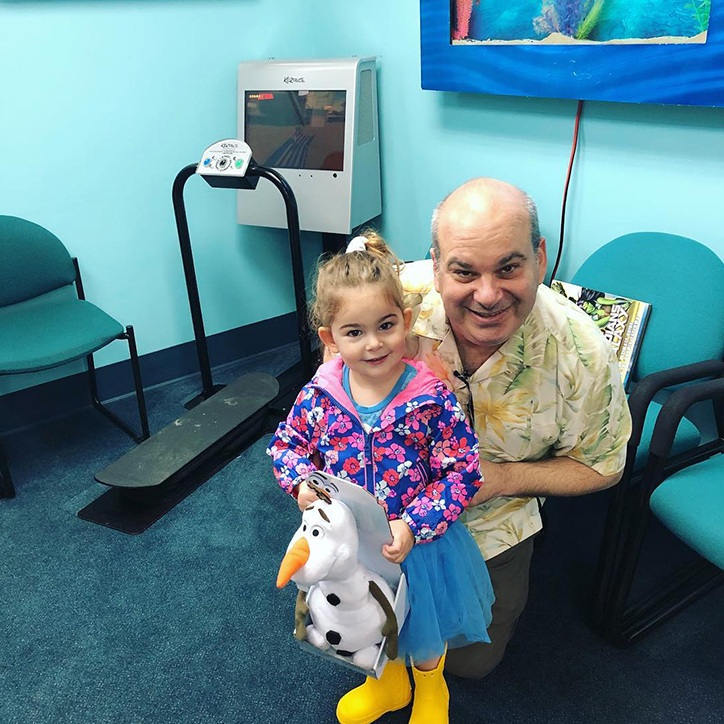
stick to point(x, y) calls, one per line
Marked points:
point(153, 477)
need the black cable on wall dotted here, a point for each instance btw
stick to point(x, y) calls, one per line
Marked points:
point(579, 112)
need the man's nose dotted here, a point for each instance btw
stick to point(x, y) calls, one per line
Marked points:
point(487, 291)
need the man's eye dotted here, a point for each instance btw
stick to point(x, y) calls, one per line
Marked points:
point(463, 273)
point(509, 268)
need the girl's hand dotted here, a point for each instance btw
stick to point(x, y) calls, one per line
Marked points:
point(306, 496)
point(402, 542)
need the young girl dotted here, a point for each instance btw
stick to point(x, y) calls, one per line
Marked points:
point(391, 426)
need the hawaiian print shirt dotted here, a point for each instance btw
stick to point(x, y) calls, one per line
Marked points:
point(420, 460)
point(553, 389)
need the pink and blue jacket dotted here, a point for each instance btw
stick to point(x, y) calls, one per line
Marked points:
point(420, 461)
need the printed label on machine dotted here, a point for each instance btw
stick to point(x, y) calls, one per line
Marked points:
point(229, 157)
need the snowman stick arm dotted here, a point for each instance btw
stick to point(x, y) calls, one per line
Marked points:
point(300, 616)
point(390, 626)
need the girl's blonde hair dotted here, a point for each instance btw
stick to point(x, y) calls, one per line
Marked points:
point(350, 270)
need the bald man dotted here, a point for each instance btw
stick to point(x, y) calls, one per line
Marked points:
point(538, 379)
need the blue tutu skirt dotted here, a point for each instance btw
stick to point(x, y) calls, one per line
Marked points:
point(449, 593)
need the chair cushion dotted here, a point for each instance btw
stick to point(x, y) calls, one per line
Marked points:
point(690, 503)
point(687, 436)
point(51, 330)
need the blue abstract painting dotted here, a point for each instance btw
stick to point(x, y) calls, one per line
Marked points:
point(638, 51)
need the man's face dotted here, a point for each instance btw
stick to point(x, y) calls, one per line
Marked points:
point(487, 274)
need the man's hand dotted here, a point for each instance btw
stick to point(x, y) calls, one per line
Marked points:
point(402, 542)
point(487, 491)
point(491, 486)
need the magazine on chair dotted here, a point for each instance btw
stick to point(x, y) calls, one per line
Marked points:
point(621, 319)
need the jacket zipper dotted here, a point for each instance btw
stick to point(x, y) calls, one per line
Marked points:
point(368, 437)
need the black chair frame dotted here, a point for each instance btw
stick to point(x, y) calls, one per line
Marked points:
point(629, 512)
point(7, 488)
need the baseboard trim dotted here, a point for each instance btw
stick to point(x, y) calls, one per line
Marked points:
point(53, 399)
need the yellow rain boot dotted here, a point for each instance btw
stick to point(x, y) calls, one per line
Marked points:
point(431, 696)
point(367, 703)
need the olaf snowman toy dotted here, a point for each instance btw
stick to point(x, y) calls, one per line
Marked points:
point(342, 604)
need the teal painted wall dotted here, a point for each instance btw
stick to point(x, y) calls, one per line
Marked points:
point(102, 102)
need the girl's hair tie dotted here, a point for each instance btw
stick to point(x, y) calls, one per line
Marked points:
point(357, 244)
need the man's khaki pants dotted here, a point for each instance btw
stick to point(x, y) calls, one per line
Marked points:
point(509, 574)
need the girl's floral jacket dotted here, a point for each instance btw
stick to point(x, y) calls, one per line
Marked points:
point(420, 461)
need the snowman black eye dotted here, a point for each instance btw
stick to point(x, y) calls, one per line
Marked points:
point(317, 531)
point(304, 527)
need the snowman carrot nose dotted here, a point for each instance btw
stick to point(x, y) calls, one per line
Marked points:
point(294, 559)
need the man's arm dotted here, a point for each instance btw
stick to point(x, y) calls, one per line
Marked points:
point(602, 406)
point(555, 476)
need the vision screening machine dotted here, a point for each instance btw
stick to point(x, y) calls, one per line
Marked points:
point(322, 134)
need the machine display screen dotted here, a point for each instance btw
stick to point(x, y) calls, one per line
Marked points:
point(296, 129)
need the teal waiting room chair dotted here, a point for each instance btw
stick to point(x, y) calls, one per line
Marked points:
point(683, 345)
point(45, 320)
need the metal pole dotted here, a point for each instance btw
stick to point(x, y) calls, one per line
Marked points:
point(192, 288)
point(297, 265)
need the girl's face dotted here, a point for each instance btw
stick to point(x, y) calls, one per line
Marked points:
point(369, 332)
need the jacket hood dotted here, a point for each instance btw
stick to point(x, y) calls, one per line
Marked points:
point(329, 377)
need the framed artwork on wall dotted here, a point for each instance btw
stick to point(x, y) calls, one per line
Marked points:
point(634, 51)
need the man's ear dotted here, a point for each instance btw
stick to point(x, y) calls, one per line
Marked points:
point(435, 268)
point(542, 260)
point(407, 319)
point(325, 334)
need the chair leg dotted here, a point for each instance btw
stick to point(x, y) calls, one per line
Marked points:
point(622, 576)
point(609, 556)
point(619, 517)
point(7, 489)
point(137, 382)
point(140, 397)
point(623, 624)
point(627, 516)
point(627, 624)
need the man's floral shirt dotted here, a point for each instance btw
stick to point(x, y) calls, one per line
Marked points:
point(553, 389)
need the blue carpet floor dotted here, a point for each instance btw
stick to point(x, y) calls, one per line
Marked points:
point(183, 624)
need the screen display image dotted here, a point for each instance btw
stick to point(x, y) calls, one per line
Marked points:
point(296, 129)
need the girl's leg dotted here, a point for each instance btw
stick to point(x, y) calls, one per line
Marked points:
point(431, 695)
point(428, 665)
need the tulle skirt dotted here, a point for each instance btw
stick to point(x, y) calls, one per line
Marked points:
point(449, 593)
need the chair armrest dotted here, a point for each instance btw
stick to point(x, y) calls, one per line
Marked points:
point(78, 279)
point(674, 408)
point(647, 387)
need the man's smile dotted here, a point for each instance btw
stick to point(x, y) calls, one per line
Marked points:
point(489, 315)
